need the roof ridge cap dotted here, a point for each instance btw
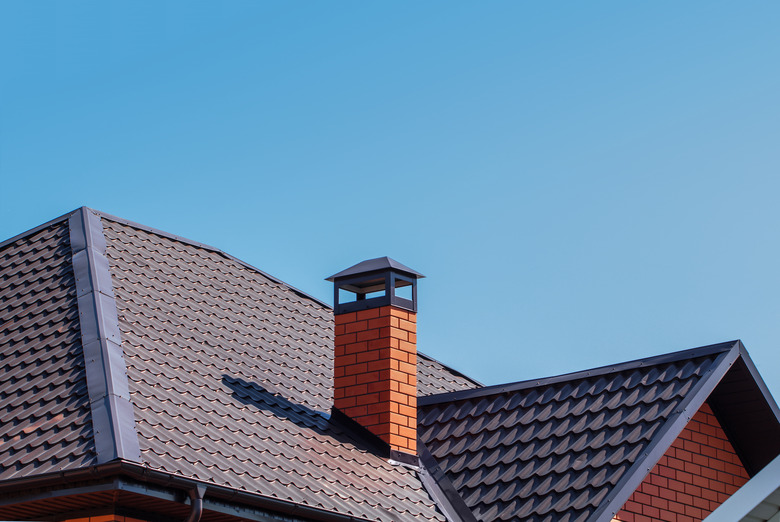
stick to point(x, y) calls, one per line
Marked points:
point(113, 422)
point(565, 377)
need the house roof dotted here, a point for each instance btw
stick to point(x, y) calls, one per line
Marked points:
point(575, 447)
point(167, 359)
point(228, 371)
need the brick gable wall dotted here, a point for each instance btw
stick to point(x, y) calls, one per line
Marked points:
point(696, 475)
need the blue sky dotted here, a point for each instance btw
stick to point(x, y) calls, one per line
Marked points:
point(582, 183)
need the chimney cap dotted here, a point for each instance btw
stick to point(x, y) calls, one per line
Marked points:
point(374, 265)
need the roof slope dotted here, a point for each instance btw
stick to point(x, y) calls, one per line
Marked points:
point(568, 448)
point(228, 371)
point(230, 374)
point(44, 404)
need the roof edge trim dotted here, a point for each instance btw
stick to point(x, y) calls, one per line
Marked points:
point(210, 248)
point(174, 481)
point(670, 430)
point(428, 400)
point(441, 490)
point(34, 230)
point(113, 421)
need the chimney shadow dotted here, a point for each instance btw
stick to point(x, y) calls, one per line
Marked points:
point(329, 424)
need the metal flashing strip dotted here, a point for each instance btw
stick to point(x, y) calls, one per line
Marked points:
point(439, 398)
point(113, 423)
point(635, 475)
point(204, 246)
point(441, 490)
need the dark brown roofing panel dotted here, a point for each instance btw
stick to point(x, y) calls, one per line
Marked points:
point(434, 377)
point(230, 373)
point(44, 405)
point(553, 450)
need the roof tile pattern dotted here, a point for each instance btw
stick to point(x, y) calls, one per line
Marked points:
point(553, 451)
point(230, 375)
point(433, 378)
point(44, 404)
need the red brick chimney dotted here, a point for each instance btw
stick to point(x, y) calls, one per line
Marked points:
point(375, 370)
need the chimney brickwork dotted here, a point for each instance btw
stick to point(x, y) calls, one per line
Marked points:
point(375, 373)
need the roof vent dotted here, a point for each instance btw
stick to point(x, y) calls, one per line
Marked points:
point(374, 283)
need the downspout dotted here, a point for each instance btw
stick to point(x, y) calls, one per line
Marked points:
point(196, 494)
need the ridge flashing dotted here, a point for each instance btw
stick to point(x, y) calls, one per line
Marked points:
point(210, 248)
point(496, 389)
point(113, 421)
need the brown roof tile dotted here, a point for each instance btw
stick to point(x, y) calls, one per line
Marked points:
point(230, 375)
point(554, 449)
point(44, 405)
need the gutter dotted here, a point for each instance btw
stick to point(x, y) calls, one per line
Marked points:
point(197, 503)
point(168, 480)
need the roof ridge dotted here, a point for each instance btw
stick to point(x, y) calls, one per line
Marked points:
point(210, 248)
point(109, 396)
point(601, 370)
point(38, 228)
point(450, 369)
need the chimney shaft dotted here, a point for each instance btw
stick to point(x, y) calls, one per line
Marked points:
point(375, 367)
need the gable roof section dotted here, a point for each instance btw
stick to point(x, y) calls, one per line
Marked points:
point(44, 402)
point(574, 447)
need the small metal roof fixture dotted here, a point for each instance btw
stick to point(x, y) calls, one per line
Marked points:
point(374, 283)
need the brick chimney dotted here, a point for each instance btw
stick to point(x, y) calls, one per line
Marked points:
point(375, 370)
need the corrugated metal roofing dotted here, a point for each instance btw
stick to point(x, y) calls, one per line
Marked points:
point(555, 449)
point(44, 405)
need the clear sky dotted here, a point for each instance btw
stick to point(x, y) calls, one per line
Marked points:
point(583, 183)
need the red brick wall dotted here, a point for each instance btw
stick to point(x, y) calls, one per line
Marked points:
point(696, 475)
point(375, 373)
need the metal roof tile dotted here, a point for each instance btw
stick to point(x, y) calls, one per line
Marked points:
point(46, 420)
point(552, 451)
point(205, 336)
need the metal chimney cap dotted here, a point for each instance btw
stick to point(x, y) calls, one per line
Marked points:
point(375, 265)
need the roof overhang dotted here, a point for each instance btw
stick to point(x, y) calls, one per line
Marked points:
point(136, 488)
